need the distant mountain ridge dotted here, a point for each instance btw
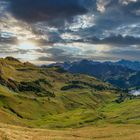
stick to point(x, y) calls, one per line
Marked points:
point(122, 74)
point(134, 65)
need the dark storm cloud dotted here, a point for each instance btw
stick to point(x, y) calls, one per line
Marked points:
point(131, 9)
point(109, 14)
point(127, 40)
point(114, 14)
point(111, 40)
point(94, 26)
point(115, 40)
point(43, 10)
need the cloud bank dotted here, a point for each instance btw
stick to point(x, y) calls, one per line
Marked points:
point(71, 29)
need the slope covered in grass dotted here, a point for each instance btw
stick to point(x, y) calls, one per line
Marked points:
point(49, 97)
point(53, 98)
point(125, 112)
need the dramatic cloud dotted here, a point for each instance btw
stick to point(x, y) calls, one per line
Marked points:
point(44, 31)
point(45, 10)
point(116, 40)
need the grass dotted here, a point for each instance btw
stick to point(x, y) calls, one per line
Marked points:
point(32, 96)
point(55, 99)
point(109, 132)
point(66, 110)
point(125, 112)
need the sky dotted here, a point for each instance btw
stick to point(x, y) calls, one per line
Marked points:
point(47, 31)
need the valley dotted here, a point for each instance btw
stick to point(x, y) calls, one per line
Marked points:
point(50, 97)
point(51, 103)
point(69, 69)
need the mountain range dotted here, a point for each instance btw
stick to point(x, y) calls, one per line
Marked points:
point(122, 74)
point(134, 65)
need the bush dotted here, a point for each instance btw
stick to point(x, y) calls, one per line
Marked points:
point(71, 87)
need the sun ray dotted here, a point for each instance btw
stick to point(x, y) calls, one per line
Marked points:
point(27, 45)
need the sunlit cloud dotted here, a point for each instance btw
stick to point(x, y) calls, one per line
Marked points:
point(27, 45)
point(81, 22)
point(100, 30)
point(101, 5)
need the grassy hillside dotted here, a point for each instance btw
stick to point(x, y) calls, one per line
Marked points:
point(50, 97)
point(125, 112)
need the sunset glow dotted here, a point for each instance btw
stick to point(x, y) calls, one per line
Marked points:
point(27, 45)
